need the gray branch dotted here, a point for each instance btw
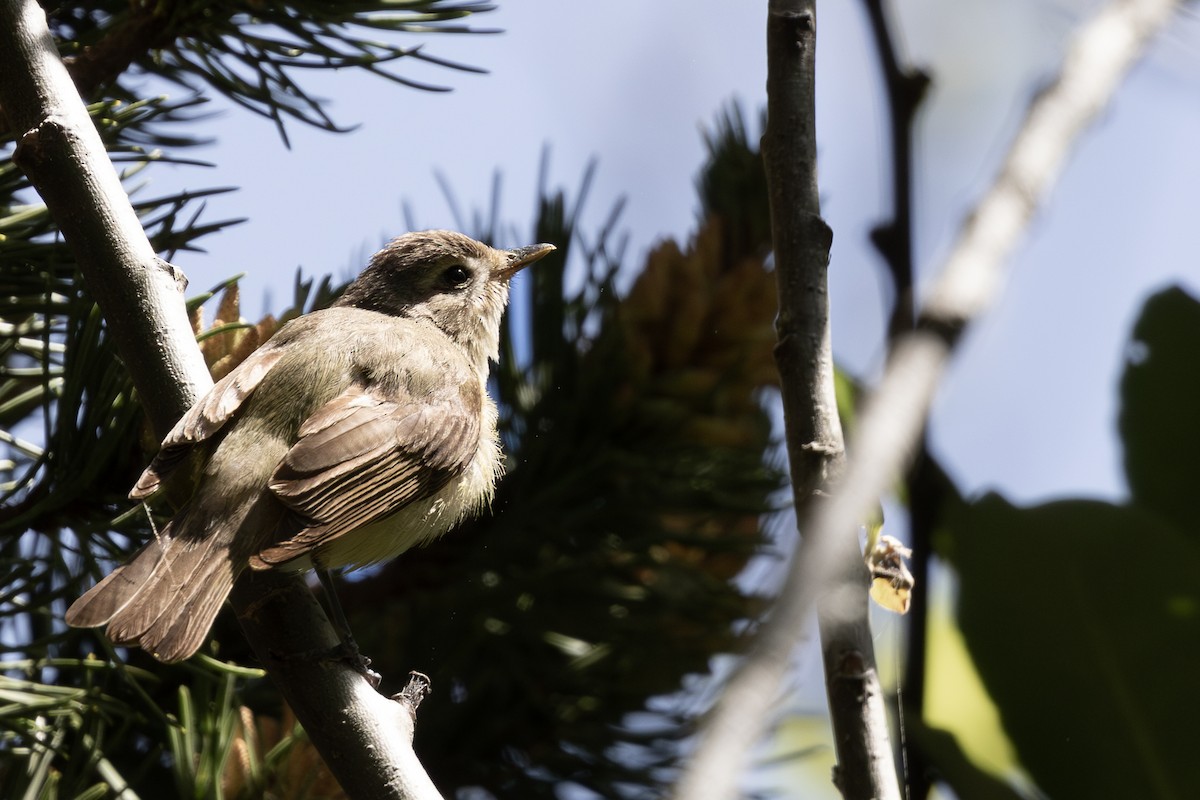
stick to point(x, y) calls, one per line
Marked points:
point(892, 420)
point(365, 738)
point(816, 454)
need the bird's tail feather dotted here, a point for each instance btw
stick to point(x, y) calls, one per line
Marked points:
point(104, 600)
point(166, 598)
point(178, 628)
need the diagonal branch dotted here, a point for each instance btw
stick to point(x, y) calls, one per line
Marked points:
point(60, 151)
point(891, 422)
point(365, 739)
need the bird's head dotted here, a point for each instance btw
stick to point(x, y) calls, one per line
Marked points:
point(455, 282)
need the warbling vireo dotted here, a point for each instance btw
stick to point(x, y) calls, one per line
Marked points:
point(353, 434)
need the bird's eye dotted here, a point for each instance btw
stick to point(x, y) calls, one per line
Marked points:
point(456, 276)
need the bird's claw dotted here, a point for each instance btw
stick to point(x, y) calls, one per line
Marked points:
point(342, 652)
point(347, 651)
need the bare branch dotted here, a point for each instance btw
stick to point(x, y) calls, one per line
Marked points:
point(365, 738)
point(815, 452)
point(892, 421)
point(904, 89)
point(1100, 55)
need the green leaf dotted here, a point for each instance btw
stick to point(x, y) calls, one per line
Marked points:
point(956, 768)
point(1083, 619)
point(1158, 422)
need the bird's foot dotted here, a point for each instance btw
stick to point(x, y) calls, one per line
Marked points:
point(346, 652)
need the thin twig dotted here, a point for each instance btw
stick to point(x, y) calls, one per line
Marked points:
point(904, 89)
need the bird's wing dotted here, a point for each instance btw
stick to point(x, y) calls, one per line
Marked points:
point(364, 456)
point(207, 416)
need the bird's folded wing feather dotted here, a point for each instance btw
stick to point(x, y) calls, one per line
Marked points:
point(207, 416)
point(363, 456)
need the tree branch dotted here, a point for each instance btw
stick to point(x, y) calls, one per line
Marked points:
point(1102, 52)
point(816, 454)
point(365, 739)
point(904, 89)
point(893, 418)
point(144, 29)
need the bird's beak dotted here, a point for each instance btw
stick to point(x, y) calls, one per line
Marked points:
point(522, 257)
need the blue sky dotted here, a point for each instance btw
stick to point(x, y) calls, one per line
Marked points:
point(1029, 406)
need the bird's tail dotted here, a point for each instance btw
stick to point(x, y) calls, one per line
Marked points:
point(166, 597)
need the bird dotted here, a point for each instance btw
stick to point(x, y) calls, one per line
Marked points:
point(354, 433)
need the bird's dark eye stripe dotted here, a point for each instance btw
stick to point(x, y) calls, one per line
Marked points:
point(456, 275)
